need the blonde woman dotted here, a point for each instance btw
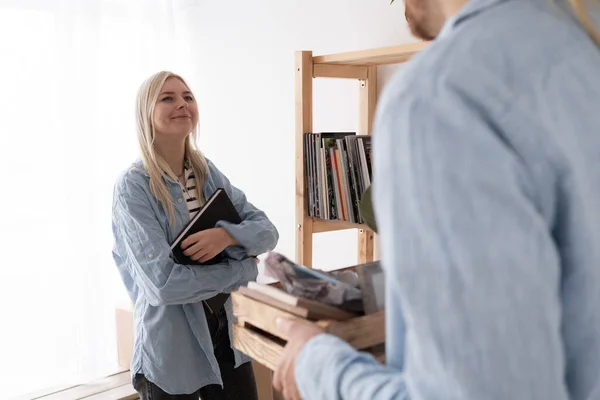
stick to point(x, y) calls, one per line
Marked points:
point(182, 349)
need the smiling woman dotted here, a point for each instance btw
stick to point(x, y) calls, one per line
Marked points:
point(182, 346)
point(167, 118)
point(172, 117)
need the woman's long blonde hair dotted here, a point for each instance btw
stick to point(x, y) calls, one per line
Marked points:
point(580, 8)
point(153, 162)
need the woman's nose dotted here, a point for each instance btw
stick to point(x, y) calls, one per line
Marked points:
point(182, 104)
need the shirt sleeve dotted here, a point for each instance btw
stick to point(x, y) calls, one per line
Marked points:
point(142, 245)
point(329, 368)
point(256, 234)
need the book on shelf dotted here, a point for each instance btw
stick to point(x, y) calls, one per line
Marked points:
point(338, 170)
point(218, 207)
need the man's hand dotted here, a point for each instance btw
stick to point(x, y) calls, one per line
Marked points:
point(298, 333)
point(204, 245)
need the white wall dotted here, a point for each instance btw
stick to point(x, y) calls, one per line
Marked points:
point(244, 52)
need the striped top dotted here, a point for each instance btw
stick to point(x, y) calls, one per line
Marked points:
point(188, 187)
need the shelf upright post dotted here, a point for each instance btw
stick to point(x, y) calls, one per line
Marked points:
point(304, 110)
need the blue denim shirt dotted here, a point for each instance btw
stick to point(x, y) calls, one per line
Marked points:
point(173, 347)
point(487, 197)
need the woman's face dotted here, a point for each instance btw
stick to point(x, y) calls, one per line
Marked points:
point(176, 111)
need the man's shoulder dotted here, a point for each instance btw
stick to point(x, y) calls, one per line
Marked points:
point(494, 55)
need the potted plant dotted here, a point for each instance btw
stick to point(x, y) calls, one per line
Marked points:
point(366, 208)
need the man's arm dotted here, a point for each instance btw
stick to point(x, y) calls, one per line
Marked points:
point(329, 368)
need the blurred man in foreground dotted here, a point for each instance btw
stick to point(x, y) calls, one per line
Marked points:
point(487, 198)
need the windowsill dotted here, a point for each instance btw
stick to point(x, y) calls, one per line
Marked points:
point(113, 387)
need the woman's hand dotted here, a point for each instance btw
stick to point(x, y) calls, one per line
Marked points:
point(204, 245)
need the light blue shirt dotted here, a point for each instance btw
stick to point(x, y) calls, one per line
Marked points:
point(487, 198)
point(172, 346)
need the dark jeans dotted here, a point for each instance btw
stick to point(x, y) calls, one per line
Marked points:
point(238, 383)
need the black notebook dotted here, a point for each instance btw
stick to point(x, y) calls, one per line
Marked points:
point(217, 208)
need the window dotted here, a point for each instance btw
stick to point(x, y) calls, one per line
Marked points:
point(70, 70)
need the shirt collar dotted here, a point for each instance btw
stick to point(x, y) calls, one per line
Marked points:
point(471, 8)
point(140, 166)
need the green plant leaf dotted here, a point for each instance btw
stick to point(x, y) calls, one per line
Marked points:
point(365, 207)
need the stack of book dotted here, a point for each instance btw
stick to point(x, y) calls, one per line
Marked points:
point(338, 170)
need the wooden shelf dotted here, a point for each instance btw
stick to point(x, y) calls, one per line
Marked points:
point(359, 65)
point(325, 225)
point(370, 57)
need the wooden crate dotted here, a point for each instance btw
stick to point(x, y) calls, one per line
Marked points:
point(255, 333)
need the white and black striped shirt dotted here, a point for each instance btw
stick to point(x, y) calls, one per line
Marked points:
point(188, 187)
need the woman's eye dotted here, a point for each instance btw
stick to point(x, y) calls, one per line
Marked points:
point(189, 98)
point(168, 98)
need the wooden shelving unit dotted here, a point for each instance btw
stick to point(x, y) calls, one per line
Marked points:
point(358, 65)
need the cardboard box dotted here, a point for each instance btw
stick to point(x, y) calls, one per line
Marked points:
point(124, 328)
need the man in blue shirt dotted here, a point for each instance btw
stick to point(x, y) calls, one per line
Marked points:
point(487, 198)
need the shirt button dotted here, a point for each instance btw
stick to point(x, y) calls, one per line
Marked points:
point(180, 200)
point(150, 255)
